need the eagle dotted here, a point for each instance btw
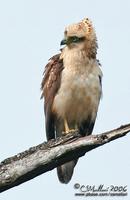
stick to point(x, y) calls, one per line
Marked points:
point(72, 88)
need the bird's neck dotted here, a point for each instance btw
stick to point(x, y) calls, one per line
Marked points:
point(77, 59)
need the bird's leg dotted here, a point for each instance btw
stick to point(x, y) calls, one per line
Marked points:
point(67, 129)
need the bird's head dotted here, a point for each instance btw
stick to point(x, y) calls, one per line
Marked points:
point(80, 35)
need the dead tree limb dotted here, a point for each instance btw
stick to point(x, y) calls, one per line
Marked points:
point(46, 156)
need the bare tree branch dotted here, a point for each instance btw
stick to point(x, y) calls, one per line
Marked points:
point(46, 156)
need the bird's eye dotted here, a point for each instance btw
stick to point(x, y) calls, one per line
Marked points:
point(75, 39)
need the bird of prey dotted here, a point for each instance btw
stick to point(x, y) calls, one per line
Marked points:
point(72, 87)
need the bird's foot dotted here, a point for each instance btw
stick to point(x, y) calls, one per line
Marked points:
point(71, 131)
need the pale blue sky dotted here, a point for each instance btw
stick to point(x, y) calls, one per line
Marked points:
point(30, 33)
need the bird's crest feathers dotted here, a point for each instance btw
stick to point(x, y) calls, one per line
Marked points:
point(82, 28)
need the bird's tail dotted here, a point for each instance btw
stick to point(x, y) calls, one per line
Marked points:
point(65, 171)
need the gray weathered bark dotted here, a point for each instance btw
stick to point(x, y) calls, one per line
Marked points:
point(46, 156)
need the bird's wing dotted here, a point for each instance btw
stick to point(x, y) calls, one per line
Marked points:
point(49, 86)
point(86, 127)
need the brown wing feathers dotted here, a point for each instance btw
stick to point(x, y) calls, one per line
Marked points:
point(49, 86)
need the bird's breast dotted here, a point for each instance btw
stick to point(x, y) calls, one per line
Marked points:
point(78, 95)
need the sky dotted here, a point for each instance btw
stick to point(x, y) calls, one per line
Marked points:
point(30, 33)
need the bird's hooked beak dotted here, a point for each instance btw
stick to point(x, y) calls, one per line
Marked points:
point(64, 42)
